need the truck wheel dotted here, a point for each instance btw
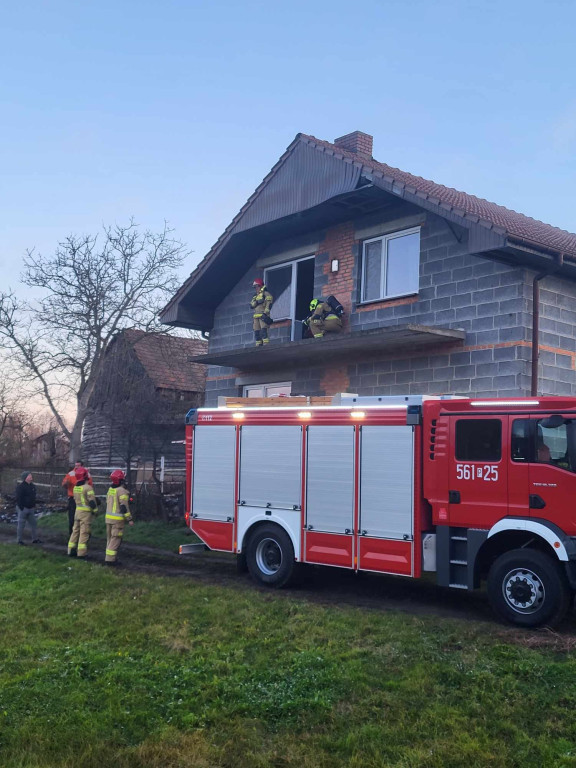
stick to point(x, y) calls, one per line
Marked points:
point(527, 588)
point(270, 556)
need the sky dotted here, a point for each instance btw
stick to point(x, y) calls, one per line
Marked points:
point(176, 110)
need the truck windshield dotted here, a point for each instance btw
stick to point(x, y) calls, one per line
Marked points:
point(550, 440)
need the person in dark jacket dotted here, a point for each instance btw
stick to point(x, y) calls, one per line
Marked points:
point(25, 503)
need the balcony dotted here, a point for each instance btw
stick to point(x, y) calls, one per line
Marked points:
point(407, 338)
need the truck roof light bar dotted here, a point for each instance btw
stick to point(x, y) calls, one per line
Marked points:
point(292, 408)
point(505, 403)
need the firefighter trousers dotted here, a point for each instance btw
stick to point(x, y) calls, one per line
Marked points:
point(80, 533)
point(114, 533)
point(330, 324)
point(260, 331)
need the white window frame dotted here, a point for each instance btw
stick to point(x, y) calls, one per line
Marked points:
point(265, 387)
point(293, 264)
point(385, 239)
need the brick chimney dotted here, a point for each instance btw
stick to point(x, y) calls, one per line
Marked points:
point(358, 142)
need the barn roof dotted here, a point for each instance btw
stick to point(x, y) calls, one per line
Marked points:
point(166, 359)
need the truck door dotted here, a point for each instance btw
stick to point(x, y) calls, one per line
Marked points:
point(329, 523)
point(386, 510)
point(213, 483)
point(478, 482)
point(552, 489)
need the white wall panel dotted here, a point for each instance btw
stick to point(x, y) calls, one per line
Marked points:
point(387, 481)
point(330, 479)
point(213, 472)
point(270, 466)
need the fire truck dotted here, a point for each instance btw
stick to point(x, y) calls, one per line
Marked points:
point(471, 490)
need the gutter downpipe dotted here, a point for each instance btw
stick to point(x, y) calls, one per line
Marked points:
point(536, 321)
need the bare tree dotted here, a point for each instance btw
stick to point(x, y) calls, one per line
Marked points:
point(93, 286)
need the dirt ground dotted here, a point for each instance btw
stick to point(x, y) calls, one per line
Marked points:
point(317, 584)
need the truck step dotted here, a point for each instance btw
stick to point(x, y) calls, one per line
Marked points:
point(458, 538)
point(458, 562)
point(458, 586)
point(189, 549)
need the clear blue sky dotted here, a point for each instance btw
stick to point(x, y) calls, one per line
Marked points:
point(177, 109)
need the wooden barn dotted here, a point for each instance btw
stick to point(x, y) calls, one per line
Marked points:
point(136, 413)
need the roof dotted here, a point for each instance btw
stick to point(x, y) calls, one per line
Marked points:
point(166, 359)
point(467, 209)
point(525, 228)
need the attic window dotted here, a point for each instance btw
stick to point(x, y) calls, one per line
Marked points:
point(391, 265)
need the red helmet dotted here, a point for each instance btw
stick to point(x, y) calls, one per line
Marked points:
point(81, 473)
point(258, 281)
point(117, 476)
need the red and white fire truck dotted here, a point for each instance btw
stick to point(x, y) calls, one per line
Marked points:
point(469, 489)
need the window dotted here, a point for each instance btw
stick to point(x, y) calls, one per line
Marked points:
point(292, 286)
point(478, 440)
point(391, 265)
point(281, 389)
point(551, 440)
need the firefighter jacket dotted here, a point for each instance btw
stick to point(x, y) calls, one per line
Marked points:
point(262, 303)
point(323, 312)
point(117, 506)
point(84, 497)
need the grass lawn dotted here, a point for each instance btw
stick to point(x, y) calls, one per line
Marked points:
point(152, 533)
point(102, 668)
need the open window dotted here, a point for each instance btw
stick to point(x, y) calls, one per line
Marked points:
point(292, 286)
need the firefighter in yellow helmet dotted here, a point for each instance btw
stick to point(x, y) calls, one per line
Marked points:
point(85, 499)
point(323, 319)
point(261, 304)
point(117, 514)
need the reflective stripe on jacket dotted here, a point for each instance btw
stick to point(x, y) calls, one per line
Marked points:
point(117, 497)
point(83, 495)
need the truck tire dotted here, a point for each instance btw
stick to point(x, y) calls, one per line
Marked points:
point(270, 556)
point(527, 588)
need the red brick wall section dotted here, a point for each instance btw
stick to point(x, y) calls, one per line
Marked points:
point(339, 244)
point(335, 380)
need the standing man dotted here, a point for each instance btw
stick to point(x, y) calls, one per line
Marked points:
point(85, 503)
point(117, 514)
point(25, 503)
point(69, 482)
point(261, 304)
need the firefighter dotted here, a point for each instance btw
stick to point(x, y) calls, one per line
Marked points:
point(322, 319)
point(117, 514)
point(86, 506)
point(261, 304)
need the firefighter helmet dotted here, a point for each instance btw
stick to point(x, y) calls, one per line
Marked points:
point(257, 281)
point(81, 473)
point(313, 304)
point(117, 476)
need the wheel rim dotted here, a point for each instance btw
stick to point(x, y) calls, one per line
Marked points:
point(523, 590)
point(268, 556)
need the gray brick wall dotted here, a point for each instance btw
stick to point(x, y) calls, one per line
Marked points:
point(491, 301)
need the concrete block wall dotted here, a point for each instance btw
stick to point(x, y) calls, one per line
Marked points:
point(491, 301)
point(557, 359)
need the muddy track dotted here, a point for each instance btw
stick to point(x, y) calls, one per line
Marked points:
point(325, 586)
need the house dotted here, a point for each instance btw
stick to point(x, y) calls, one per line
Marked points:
point(444, 292)
point(136, 412)
point(48, 448)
